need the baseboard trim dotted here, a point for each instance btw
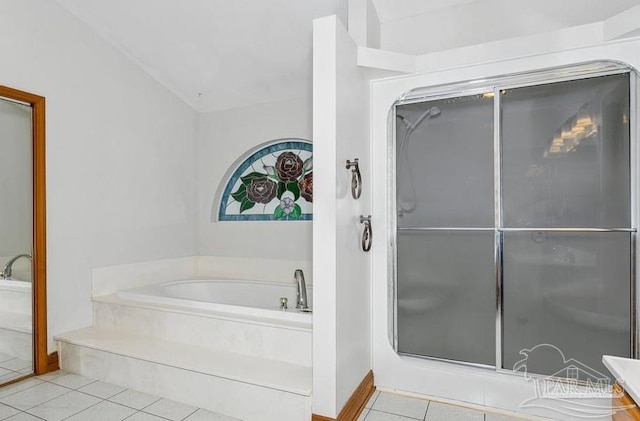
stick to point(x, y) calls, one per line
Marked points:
point(358, 399)
point(356, 402)
point(315, 417)
point(52, 362)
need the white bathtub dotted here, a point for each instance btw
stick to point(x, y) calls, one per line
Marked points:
point(227, 296)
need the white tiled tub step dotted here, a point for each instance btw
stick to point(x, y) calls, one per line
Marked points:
point(276, 340)
point(242, 386)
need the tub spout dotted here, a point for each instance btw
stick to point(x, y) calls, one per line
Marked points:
point(7, 270)
point(301, 290)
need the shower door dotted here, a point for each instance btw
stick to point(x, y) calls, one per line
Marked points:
point(445, 229)
point(513, 221)
point(567, 223)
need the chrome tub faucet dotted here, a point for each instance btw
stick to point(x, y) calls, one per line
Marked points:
point(7, 270)
point(301, 290)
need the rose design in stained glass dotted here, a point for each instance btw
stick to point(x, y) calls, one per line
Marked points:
point(289, 166)
point(273, 182)
point(306, 187)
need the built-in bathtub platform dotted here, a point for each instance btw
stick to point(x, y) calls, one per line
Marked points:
point(245, 359)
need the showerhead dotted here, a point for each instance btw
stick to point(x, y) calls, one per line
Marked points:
point(432, 112)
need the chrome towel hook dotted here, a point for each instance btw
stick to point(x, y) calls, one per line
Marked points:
point(356, 178)
point(367, 233)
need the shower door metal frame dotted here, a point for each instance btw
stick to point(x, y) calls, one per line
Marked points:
point(495, 86)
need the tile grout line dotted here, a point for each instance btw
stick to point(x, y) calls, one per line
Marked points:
point(375, 399)
point(91, 406)
point(126, 418)
point(41, 381)
point(25, 412)
point(141, 411)
point(21, 390)
point(52, 382)
point(145, 407)
point(165, 418)
point(66, 393)
point(426, 411)
point(69, 390)
point(130, 407)
point(397, 415)
point(194, 411)
point(156, 415)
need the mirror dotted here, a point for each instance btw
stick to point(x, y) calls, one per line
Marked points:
point(16, 240)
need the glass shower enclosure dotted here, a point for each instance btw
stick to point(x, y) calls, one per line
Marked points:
point(513, 226)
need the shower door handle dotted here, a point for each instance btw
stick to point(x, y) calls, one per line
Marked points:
point(356, 178)
point(367, 233)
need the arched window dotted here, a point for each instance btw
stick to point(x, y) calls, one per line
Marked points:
point(272, 182)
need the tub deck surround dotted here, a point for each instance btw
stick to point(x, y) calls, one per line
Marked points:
point(241, 386)
point(294, 323)
point(111, 279)
point(236, 298)
point(281, 340)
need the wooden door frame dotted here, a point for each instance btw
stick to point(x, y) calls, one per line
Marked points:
point(39, 279)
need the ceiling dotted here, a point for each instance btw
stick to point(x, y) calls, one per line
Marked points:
point(425, 26)
point(215, 54)
point(399, 9)
point(570, 11)
point(223, 54)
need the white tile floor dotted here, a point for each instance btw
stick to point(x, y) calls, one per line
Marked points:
point(391, 407)
point(12, 368)
point(62, 396)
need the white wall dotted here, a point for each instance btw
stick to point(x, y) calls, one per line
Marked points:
point(120, 153)
point(364, 24)
point(223, 137)
point(353, 279)
point(341, 321)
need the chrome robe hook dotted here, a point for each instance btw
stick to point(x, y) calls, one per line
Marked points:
point(367, 233)
point(356, 178)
